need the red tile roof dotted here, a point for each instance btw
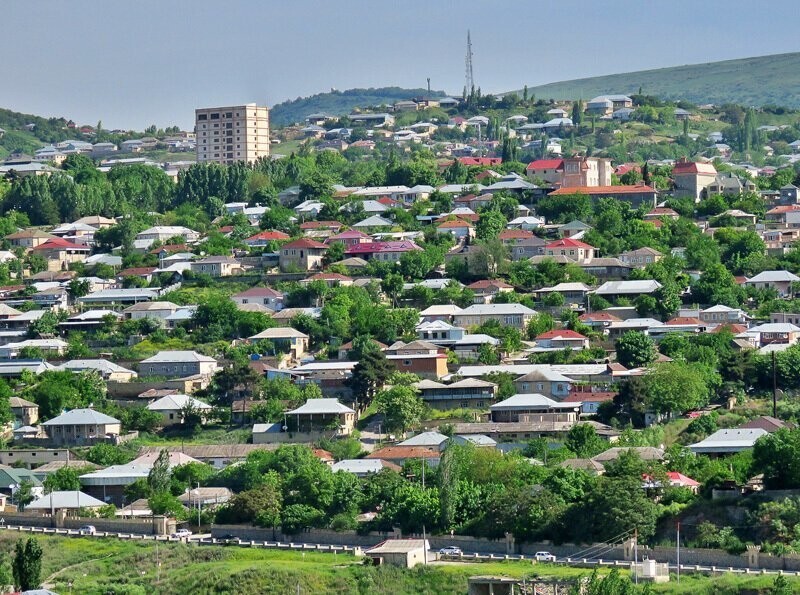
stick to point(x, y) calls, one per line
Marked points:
point(454, 224)
point(568, 243)
point(560, 334)
point(375, 247)
point(404, 452)
point(590, 397)
point(268, 235)
point(136, 272)
point(604, 190)
point(690, 167)
point(545, 164)
point(480, 160)
point(489, 283)
point(683, 321)
point(170, 249)
point(598, 317)
point(259, 292)
point(347, 235)
point(783, 209)
point(61, 244)
point(307, 243)
point(515, 234)
point(734, 329)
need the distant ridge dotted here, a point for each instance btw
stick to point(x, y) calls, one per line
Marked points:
point(757, 81)
point(339, 103)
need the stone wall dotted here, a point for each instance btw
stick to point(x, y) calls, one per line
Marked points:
point(152, 526)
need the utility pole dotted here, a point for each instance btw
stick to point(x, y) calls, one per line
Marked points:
point(423, 473)
point(678, 554)
point(429, 86)
point(774, 387)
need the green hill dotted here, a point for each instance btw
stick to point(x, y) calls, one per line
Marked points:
point(339, 103)
point(763, 80)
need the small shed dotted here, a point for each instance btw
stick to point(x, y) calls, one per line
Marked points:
point(405, 553)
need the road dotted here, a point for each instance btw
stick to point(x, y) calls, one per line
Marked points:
point(464, 558)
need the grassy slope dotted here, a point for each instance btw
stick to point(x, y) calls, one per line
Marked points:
point(748, 81)
point(99, 566)
point(339, 103)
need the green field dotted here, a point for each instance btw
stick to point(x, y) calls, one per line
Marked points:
point(755, 81)
point(111, 566)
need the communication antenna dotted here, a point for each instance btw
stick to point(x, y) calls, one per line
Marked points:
point(470, 80)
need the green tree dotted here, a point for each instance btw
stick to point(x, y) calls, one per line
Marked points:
point(582, 439)
point(27, 566)
point(105, 455)
point(676, 387)
point(260, 506)
point(490, 224)
point(635, 349)
point(64, 479)
point(369, 376)
point(159, 476)
point(777, 456)
point(402, 407)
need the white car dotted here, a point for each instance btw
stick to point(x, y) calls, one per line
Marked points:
point(87, 530)
point(544, 557)
point(181, 533)
point(450, 550)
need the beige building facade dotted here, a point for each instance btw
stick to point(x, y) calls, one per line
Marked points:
point(230, 134)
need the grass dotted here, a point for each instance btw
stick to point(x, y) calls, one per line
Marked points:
point(100, 566)
point(205, 436)
point(749, 81)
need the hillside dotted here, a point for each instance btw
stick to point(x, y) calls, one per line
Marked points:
point(337, 103)
point(762, 80)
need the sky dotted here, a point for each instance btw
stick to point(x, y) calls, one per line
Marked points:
point(132, 64)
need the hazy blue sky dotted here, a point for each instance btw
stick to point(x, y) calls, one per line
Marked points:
point(153, 61)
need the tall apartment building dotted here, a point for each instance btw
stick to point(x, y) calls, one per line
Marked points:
point(231, 134)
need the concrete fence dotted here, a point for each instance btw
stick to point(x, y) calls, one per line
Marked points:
point(158, 525)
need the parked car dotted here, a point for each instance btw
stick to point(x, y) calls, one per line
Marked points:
point(450, 550)
point(87, 530)
point(181, 533)
point(544, 557)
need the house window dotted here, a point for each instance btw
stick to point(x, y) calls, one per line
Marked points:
point(464, 404)
point(406, 362)
point(202, 117)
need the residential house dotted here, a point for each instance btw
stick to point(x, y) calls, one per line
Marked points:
point(265, 296)
point(178, 364)
point(60, 253)
point(29, 238)
point(108, 371)
point(284, 339)
point(527, 248)
point(162, 233)
point(693, 178)
point(81, 426)
point(515, 315)
point(573, 293)
point(263, 238)
point(304, 255)
point(720, 314)
point(317, 415)
point(729, 184)
point(468, 393)
point(349, 237)
point(418, 357)
point(780, 281)
point(400, 454)
point(557, 339)
point(458, 228)
point(545, 381)
point(157, 311)
point(403, 553)
point(390, 251)
point(364, 467)
point(574, 249)
point(534, 408)
point(636, 195)
point(781, 333)
point(217, 266)
point(446, 312)
point(731, 440)
point(172, 408)
point(25, 413)
point(486, 290)
point(641, 257)
point(612, 290)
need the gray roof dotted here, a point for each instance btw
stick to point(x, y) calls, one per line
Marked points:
point(425, 439)
point(101, 365)
point(175, 402)
point(321, 406)
point(110, 295)
point(730, 440)
point(531, 401)
point(628, 287)
point(16, 367)
point(177, 356)
point(773, 277)
point(496, 310)
point(359, 466)
point(81, 417)
point(72, 499)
